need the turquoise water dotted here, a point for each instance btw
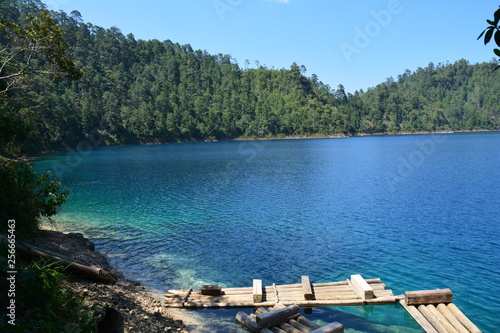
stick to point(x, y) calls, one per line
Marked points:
point(418, 211)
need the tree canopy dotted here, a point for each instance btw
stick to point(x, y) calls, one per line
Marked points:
point(137, 91)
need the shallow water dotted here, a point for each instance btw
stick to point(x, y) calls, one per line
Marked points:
point(420, 212)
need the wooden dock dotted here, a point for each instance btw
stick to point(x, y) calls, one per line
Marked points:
point(433, 310)
point(355, 291)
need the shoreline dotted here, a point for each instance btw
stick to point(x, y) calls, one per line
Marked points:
point(141, 308)
point(276, 137)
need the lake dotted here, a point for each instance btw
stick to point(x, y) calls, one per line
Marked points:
point(418, 211)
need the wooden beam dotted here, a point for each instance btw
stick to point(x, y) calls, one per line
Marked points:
point(257, 291)
point(306, 288)
point(361, 287)
point(433, 320)
point(429, 296)
point(419, 318)
point(451, 318)
point(439, 316)
point(269, 319)
point(463, 318)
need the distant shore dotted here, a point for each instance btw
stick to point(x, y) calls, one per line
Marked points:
point(275, 137)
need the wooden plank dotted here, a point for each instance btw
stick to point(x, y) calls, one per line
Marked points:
point(257, 291)
point(334, 327)
point(278, 316)
point(361, 287)
point(306, 287)
point(419, 318)
point(463, 318)
point(439, 316)
point(433, 320)
point(429, 296)
point(451, 318)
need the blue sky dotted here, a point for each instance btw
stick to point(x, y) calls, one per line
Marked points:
point(355, 43)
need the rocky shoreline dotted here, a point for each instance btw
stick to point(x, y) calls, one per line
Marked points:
point(140, 310)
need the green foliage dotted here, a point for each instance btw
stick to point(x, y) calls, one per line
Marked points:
point(493, 31)
point(137, 91)
point(45, 304)
point(27, 197)
point(37, 47)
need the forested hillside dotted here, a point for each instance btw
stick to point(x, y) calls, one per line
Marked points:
point(136, 91)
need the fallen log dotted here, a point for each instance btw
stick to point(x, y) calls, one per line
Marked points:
point(91, 272)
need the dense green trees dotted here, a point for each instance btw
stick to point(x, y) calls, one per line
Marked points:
point(28, 48)
point(137, 91)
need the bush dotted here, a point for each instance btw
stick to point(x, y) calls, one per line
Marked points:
point(27, 197)
point(45, 304)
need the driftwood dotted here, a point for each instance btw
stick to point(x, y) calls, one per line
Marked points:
point(91, 272)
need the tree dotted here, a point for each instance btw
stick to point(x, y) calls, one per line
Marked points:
point(493, 31)
point(37, 49)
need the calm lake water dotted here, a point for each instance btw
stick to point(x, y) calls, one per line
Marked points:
point(418, 211)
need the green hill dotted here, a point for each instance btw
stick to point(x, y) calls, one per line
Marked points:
point(136, 91)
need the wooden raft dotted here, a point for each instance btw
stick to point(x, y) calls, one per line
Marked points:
point(283, 319)
point(354, 291)
point(434, 311)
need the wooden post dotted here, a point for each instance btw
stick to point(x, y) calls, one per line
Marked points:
point(257, 291)
point(428, 296)
point(361, 287)
point(277, 317)
point(211, 290)
point(306, 288)
point(334, 327)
